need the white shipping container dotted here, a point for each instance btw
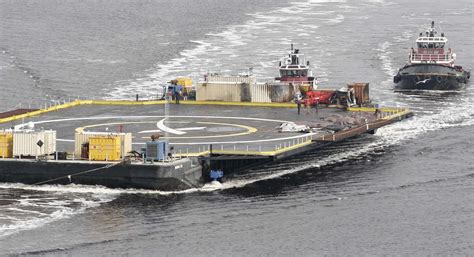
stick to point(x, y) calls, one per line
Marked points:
point(232, 79)
point(83, 137)
point(50, 141)
point(261, 93)
point(219, 91)
point(25, 143)
point(126, 143)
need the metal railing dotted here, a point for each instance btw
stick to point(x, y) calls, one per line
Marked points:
point(255, 148)
point(444, 58)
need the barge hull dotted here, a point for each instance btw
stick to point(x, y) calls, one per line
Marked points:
point(176, 176)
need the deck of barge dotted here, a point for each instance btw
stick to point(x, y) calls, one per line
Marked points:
point(195, 128)
point(215, 135)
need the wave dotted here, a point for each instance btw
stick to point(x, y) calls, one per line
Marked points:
point(30, 213)
point(384, 56)
point(335, 20)
point(236, 48)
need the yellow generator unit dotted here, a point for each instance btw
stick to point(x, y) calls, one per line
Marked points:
point(6, 144)
point(185, 82)
point(105, 148)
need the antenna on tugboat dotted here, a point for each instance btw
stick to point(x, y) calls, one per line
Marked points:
point(432, 24)
point(291, 46)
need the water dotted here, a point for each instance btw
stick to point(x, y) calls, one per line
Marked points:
point(407, 190)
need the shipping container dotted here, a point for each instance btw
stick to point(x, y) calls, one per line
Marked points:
point(244, 89)
point(83, 137)
point(249, 79)
point(34, 143)
point(361, 91)
point(219, 91)
point(6, 144)
point(50, 140)
point(105, 148)
point(261, 93)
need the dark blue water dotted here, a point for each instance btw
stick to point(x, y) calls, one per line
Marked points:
point(408, 190)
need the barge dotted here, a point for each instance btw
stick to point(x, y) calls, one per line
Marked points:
point(234, 124)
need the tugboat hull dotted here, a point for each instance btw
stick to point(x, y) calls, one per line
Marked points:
point(430, 77)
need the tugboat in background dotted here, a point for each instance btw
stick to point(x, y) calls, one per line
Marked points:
point(430, 66)
point(293, 69)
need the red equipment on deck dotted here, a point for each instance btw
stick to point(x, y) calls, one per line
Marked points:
point(318, 97)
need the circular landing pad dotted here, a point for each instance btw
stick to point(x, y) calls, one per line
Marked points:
point(181, 131)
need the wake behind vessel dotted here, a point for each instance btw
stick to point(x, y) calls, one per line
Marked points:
point(431, 66)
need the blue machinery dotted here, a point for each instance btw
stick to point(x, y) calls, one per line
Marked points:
point(216, 174)
point(156, 150)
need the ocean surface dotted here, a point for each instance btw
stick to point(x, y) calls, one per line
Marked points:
point(407, 190)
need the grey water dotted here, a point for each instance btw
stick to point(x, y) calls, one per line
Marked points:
point(407, 190)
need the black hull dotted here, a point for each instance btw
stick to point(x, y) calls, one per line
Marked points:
point(430, 77)
point(146, 176)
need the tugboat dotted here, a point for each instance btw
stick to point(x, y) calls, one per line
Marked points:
point(293, 69)
point(430, 66)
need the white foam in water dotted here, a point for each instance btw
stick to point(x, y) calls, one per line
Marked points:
point(240, 46)
point(327, 1)
point(384, 56)
point(335, 20)
point(26, 219)
point(100, 190)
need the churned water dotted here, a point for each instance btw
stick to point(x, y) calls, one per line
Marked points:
point(407, 190)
